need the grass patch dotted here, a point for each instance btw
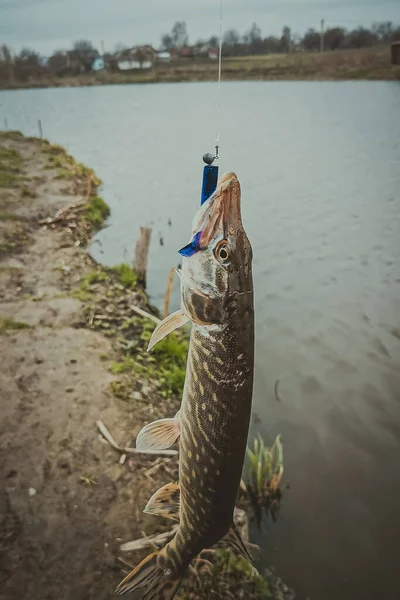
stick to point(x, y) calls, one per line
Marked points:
point(80, 294)
point(68, 167)
point(9, 324)
point(10, 155)
point(127, 365)
point(127, 275)
point(15, 239)
point(83, 293)
point(94, 277)
point(96, 212)
point(8, 216)
point(11, 135)
point(64, 174)
point(166, 363)
point(7, 179)
point(10, 161)
point(229, 576)
point(55, 162)
point(167, 360)
point(120, 389)
point(27, 193)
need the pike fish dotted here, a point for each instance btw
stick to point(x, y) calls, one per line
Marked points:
point(213, 421)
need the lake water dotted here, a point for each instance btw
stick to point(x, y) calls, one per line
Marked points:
point(319, 165)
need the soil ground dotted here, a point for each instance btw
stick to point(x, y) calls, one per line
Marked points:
point(66, 503)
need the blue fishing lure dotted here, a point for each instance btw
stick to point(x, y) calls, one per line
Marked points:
point(192, 247)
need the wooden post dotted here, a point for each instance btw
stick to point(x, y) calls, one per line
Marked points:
point(168, 293)
point(141, 254)
point(40, 129)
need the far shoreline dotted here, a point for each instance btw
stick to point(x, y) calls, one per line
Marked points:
point(366, 64)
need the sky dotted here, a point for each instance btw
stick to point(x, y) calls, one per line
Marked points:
point(47, 25)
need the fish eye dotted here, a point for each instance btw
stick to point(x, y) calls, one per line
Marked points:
point(222, 251)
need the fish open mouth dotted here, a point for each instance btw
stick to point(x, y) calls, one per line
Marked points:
point(218, 217)
point(223, 216)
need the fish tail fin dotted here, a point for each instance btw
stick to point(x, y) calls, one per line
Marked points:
point(154, 573)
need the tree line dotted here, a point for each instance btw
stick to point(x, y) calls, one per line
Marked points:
point(334, 38)
point(28, 63)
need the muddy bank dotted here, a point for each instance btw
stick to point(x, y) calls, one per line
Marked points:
point(72, 353)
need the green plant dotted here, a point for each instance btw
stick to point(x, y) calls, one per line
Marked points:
point(7, 179)
point(96, 211)
point(173, 379)
point(7, 216)
point(80, 294)
point(9, 324)
point(127, 275)
point(94, 277)
point(124, 366)
point(220, 573)
point(170, 357)
point(264, 473)
point(10, 155)
point(64, 174)
point(27, 192)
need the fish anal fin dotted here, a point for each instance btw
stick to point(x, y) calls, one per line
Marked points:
point(159, 435)
point(165, 502)
point(169, 324)
point(234, 540)
point(155, 574)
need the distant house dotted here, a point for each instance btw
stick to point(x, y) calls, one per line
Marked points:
point(98, 64)
point(164, 57)
point(207, 51)
point(138, 57)
point(186, 52)
point(395, 52)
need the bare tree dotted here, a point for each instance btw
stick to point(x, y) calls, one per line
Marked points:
point(253, 39)
point(231, 37)
point(83, 46)
point(311, 40)
point(166, 41)
point(179, 35)
point(335, 38)
point(383, 31)
point(286, 39)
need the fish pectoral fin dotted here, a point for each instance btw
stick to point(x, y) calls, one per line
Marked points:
point(165, 502)
point(169, 324)
point(233, 539)
point(159, 435)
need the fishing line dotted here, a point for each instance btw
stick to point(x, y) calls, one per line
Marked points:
point(210, 171)
point(219, 75)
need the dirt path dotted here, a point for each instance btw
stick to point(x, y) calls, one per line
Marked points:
point(65, 502)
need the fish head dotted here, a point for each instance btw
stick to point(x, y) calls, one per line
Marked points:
point(216, 266)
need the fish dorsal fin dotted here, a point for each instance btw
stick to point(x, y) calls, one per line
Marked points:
point(159, 435)
point(234, 540)
point(169, 324)
point(165, 502)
